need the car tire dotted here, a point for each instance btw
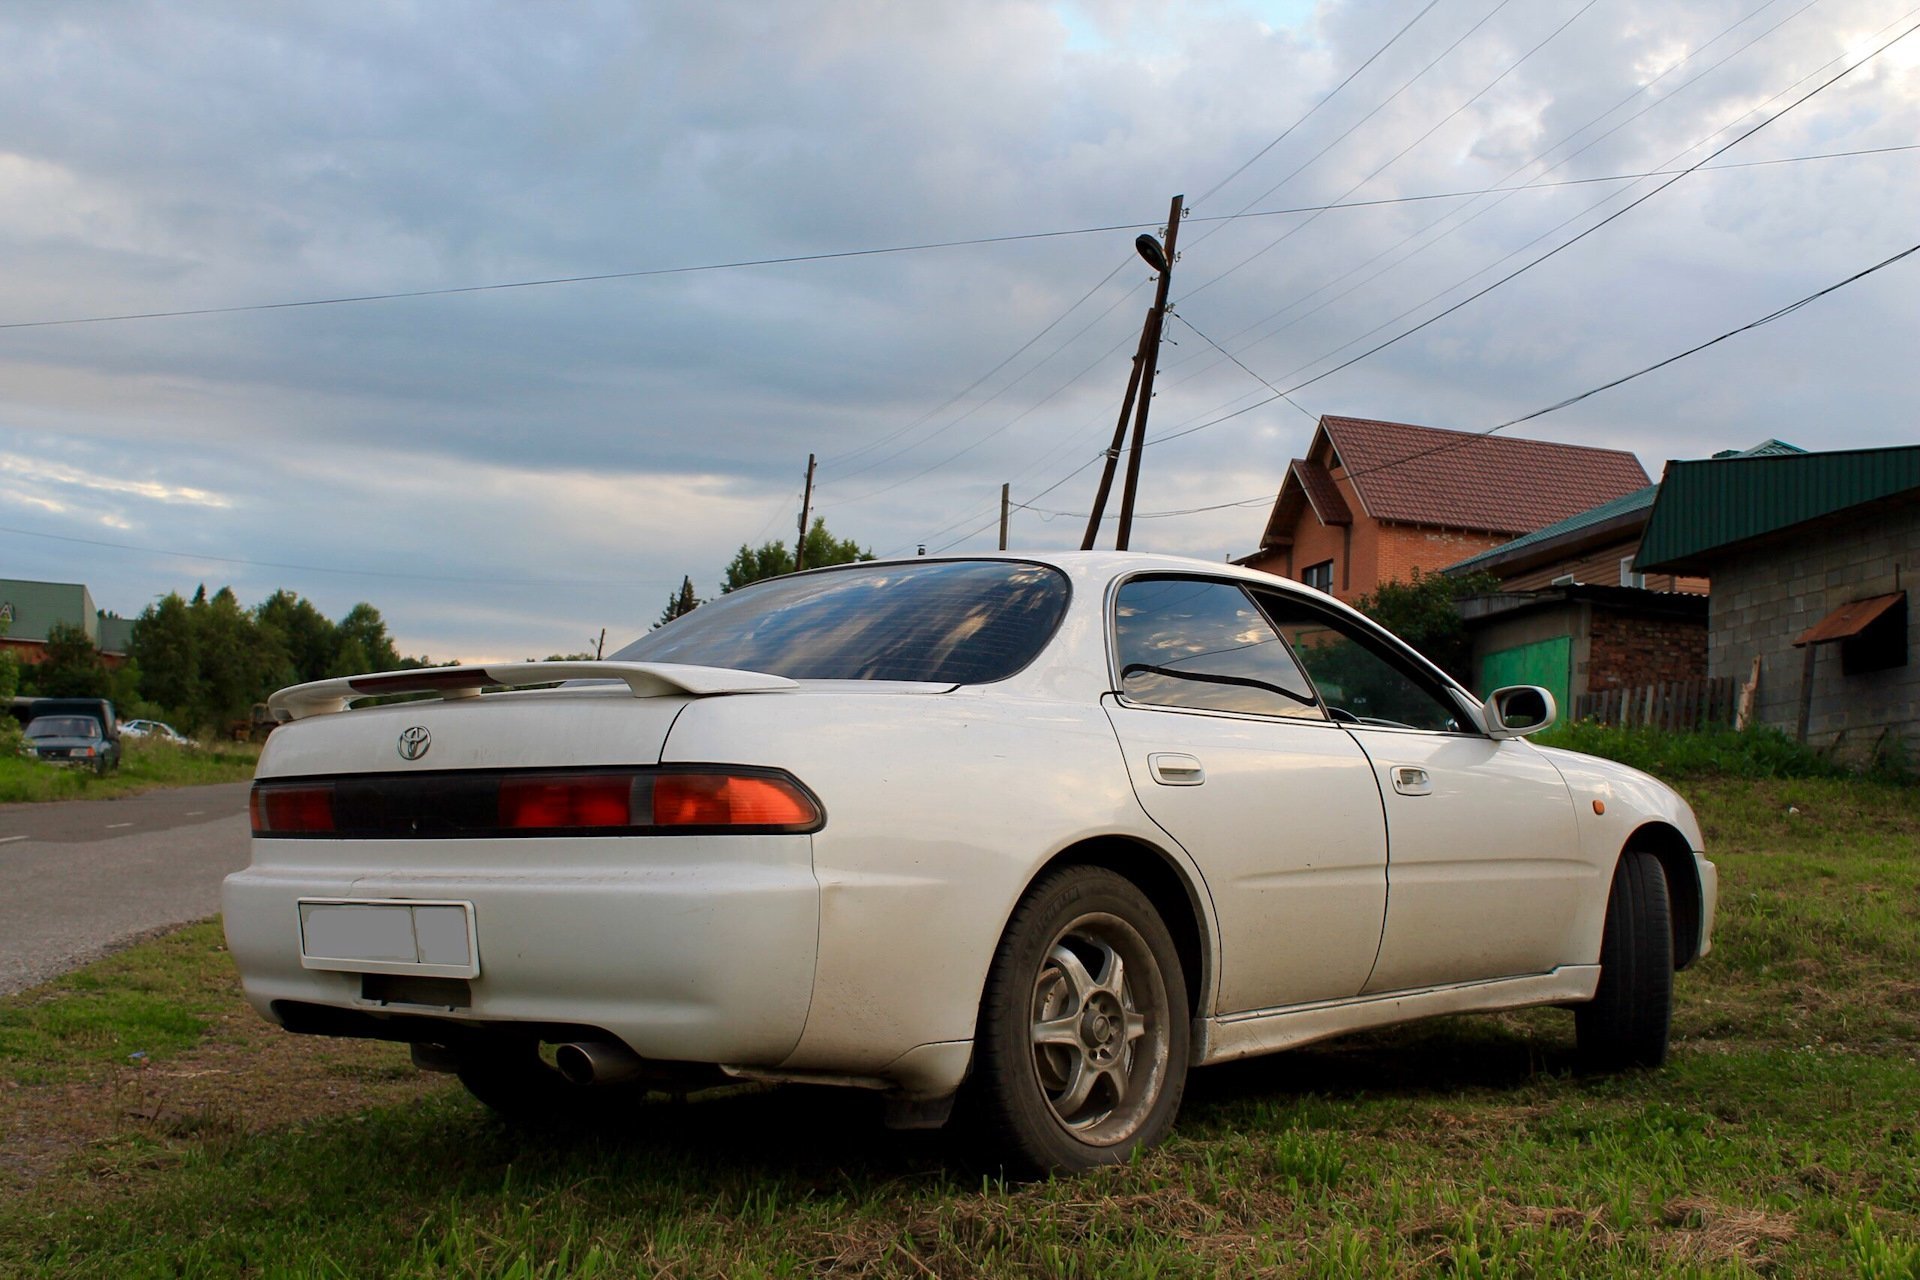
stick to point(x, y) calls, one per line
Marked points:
point(521, 1087)
point(1081, 1053)
point(1626, 1023)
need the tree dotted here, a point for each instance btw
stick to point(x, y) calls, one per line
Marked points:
point(235, 667)
point(1423, 611)
point(681, 602)
point(71, 667)
point(306, 636)
point(168, 653)
point(364, 626)
point(772, 559)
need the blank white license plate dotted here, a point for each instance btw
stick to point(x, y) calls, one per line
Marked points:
point(433, 939)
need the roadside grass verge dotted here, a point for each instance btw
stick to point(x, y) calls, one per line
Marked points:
point(1781, 1139)
point(143, 767)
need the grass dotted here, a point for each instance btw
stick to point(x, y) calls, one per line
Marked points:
point(143, 766)
point(1758, 752)
point(1781, 1139)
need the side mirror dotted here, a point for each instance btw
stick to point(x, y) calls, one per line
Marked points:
point(1518, 710)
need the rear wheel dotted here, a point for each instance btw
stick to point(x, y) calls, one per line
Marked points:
point(1082, 1048)
point(1626, 1023)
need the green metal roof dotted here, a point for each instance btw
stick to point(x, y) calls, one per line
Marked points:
point(1638, 500)
point(1708, 506)
point(33, 608)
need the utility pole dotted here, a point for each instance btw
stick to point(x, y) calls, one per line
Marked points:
point(1113, 450)
point(1160, 258)
point(600, 649)
point(1006, 504)
point(806, 509)
point(1156, 323)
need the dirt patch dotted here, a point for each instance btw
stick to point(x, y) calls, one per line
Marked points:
point(245, 1076)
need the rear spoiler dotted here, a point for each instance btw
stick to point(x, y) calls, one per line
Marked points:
point(644, 679)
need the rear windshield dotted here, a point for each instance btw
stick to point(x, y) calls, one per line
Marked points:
point(950, 622)
point(64, 727)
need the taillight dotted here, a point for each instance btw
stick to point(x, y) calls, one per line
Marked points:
point(730, 800)
point(557, 803)
point(674, 799)
point(291, 810)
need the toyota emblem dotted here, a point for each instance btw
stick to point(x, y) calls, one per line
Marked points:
point(414, 742)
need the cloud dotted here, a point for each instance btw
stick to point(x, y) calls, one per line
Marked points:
point(546, 461)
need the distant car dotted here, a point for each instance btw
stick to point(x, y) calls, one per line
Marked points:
point(1049, 830)
point(72, 740)
point(156, 730)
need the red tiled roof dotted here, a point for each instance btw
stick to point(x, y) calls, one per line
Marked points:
point(1463, 480)
point(1322, 492)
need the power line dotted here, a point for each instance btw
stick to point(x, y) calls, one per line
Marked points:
point(1507, 193)
point(955, 422)
point(1556, 250)
point(1243, 368)
point(581, 279)
point(1777, 313)
point(970, 387)
point(1431, 130)
point(1284, 133)
point(915, 248)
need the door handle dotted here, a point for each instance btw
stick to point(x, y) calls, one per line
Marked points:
point(1174, 769)
point(1411, 781)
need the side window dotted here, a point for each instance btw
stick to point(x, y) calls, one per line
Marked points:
point(1184, 642)
point(1358, 675)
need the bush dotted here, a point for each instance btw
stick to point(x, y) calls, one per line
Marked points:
point(1757, 752)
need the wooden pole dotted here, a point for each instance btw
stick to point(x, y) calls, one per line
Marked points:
point(1155, 325)
point(1119, 437)
point(1006, 504)
point(1806, 693)
point(806, 509)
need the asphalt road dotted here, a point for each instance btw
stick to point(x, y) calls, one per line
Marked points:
point(80, 878)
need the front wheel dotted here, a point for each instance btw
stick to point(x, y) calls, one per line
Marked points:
point(1082, 1046)
point(1626, 1023)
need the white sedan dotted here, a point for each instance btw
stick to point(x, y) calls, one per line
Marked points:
point(1039, 833)
point(156, 730)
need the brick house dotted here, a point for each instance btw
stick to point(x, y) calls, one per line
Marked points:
point(1812, 558)
point(1374, 501)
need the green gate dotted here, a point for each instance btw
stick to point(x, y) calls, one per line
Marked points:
point(1547, 663)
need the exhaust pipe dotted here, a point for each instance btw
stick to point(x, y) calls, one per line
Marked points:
point(597, 1062)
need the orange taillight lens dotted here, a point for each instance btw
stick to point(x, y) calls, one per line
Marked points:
point(730, 800)
point(288, 810)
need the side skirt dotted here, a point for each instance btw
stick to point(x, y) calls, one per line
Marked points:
point(1242, 1035)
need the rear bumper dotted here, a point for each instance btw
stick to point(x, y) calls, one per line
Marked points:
point(687, 949)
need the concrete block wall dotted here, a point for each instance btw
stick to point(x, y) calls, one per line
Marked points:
point(1764, 597)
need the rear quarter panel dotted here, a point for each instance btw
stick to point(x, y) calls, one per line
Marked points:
point(940, 811)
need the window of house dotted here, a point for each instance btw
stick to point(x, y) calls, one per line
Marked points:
point(1628, 578)
point(1319, 576)
point(1186, 642)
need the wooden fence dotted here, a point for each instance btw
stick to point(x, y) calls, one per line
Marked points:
point(1681, 705)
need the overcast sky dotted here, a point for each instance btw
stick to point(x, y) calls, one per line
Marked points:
point(505, 472)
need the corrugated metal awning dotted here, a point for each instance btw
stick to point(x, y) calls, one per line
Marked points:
point(1849, 619)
